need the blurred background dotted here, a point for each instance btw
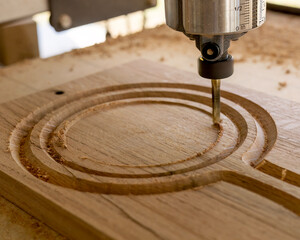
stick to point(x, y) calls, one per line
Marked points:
point(53, 43)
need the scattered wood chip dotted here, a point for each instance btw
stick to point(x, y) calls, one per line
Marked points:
point(240, 60)
point(283, 174)
point(281, 85)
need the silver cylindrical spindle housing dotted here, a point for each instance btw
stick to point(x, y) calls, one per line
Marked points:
point(215, 17)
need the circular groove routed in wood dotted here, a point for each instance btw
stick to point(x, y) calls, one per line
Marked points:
point(140, 134)
point(139, 138)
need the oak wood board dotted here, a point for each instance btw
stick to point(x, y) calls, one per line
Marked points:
point(130, 153)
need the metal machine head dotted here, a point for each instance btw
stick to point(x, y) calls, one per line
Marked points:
point(213, 24)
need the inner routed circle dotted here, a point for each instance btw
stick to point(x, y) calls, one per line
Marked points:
point(140, 134)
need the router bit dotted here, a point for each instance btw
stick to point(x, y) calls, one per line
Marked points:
point(216, 97)
point(213, 24)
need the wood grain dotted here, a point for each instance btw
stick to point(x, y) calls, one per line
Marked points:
point(130, 153)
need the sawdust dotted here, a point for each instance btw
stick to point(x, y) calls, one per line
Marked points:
point(282, 85)
point(276, 42)
point(59, 137)
point(283, 174)
point(81, 52)
point(51, 151)
point(273, 42)
point(22, 226)
point(240, 59)
point(35, 171)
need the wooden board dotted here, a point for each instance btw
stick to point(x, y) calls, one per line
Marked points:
point(130, 153)
point(265, 67)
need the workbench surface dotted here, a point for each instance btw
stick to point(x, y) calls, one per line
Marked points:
point(271, 53)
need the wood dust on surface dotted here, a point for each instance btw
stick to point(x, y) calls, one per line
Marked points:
point(276, 44)
point(281, 85)
point(16, 224)
point(272, 50)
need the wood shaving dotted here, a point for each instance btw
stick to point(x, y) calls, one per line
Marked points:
point(283, 174)
point(282, 85)
point(36, 171)
point(272, 42)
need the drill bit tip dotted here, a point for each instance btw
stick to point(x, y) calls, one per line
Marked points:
point(216, 100)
